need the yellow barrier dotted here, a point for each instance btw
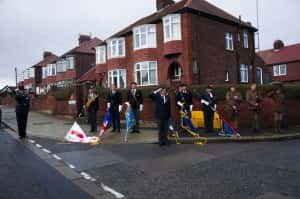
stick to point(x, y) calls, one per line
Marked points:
point(198, 120)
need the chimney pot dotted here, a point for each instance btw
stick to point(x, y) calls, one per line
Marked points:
point(47, 54)
point(84, 38)
point(161, 4)
point(278, 44)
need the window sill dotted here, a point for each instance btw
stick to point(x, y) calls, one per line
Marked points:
point(118, 57)
point(229, 50)
point(166, 41)
point(144, 48)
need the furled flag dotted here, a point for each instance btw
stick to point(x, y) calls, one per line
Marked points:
point(106, 123)
point(130, 121)
point(188, 123)
point(228, 129)
point(77, 135)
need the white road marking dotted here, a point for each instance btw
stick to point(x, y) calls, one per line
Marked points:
point(71, 166)
point(110, 190)
point(38, 146)
point(46, 150)
point(56, 157)
point(31, 141)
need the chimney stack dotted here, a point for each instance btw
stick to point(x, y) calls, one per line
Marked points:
point(161, 4)
point(278, 44)
point(47, 54)
point(84, 38)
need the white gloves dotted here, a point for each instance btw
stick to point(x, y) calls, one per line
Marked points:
point(141, 107)
point(120, 108)
point(127, 103)
point(157, 91)
point(205, 102)
point(108, 105)
point(180, 104)
point(191, 108)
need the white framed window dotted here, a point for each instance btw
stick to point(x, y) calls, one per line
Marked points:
point(246, 40)
point(144, 36)
point(70, 63)
point(61, 66)
point(117, 77)
point(279, 70)
point(172, 27)
point(244, 73)
point(101, 55)
point(146, 73)
point(226, 76)
point(177, 72)
point(228, 41)
point(116, 48)
point(45, 72)
point(50, 70)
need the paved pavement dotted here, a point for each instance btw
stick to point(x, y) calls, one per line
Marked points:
point(214, 171)
point(55, 127)
point(48, 126)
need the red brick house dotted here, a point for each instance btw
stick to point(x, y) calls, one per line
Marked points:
point(190, 41)
point(282, 63)
point(48, 57)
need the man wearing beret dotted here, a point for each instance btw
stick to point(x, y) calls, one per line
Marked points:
point(22, 109)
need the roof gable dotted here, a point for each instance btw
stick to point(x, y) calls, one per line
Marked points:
point(48, 60)
point(201, 6)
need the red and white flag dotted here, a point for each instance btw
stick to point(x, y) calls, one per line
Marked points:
point(77, 135)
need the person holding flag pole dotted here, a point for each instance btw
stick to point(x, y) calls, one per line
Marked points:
point(135, 101)
point(114, 104)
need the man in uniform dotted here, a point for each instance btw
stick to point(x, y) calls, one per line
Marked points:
point(209, 106)
point(22, 109)
point(92, 106)
point(233, 99)
point(184, 99)
point(253, 99)
point(135, 101)
point(279, 107)
point(162, 114)
point(114, 103)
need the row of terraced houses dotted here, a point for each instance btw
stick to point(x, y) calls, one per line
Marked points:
point(187, 41)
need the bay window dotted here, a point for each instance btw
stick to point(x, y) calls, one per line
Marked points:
point(279, 70)
point(116, 48)
point(117, 77)
point(45, 72)
point(244, 73)
point(145, 36)
point(146, 73)
point(228, 41)
point(172, 27)
point(100, 55)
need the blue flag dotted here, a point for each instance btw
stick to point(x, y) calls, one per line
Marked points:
point(130, 121)
point(106, 123)
point(228, 129)
point(188, 123)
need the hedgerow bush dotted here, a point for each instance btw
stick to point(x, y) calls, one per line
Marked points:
point(62, 94)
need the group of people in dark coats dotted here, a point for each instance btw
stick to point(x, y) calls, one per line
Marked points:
point(184, 102)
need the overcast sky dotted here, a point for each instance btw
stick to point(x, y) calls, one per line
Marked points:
point(29, 27)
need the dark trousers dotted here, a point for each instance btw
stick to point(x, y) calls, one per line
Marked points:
point(115, 116)
point(136, 114)
point(22, 123)
point(163, 129)
point(209, 120)
point(93, 120)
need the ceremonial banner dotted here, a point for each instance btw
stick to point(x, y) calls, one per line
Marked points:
point(77, 135)
point(106, 123)
point(130, 121)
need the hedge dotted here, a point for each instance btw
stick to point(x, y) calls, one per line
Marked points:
point(291, 91)
point(61, 94)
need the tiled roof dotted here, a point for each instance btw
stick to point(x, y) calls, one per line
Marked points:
point(46, 61)
point(85, 47)
point(285, 55)
point(265, 55)
point(90, 75)
point(201, 6)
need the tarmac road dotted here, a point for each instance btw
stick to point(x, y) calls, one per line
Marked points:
point(23, 175)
